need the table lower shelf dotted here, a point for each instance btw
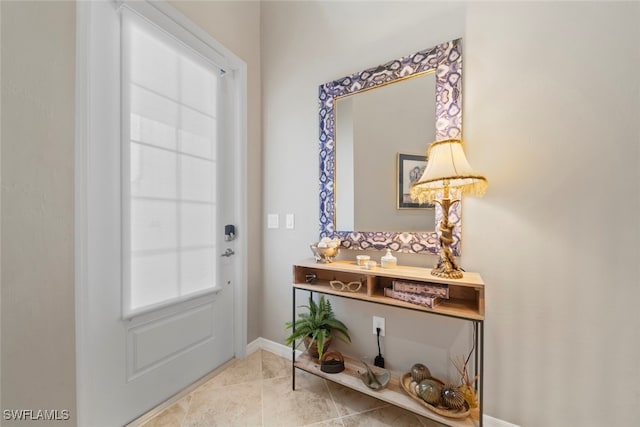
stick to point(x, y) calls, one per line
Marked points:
point(392, 394)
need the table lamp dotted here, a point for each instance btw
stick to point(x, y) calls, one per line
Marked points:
point(447, 171)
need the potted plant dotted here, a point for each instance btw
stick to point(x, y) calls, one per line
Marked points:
point(317, 327)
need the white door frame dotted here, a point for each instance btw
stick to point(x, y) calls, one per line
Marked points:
point(83, 127)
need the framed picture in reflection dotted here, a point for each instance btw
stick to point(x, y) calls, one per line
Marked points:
point(410, 168)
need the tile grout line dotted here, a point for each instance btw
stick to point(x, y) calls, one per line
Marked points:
point(335, 406)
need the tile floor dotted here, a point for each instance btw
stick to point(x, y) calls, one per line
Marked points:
point(256, 392)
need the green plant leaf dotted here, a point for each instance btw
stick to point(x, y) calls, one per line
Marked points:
point(318, 323)
point(321, 338)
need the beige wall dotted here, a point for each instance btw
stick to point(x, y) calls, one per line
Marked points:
point(553, 90)
point(38, 330)
point(236, 24)
point(552, 100)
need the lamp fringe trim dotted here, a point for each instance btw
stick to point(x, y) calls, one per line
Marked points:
point(424, 194)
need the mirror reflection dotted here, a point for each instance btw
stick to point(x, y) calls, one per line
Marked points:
point(371, 128)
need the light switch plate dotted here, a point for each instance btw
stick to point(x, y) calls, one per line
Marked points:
point(290, 224)
point(273, 221)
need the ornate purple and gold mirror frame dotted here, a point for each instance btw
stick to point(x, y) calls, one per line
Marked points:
point(446, 61)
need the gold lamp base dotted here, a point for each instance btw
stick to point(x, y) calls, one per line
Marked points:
point(444, 269)
point(447, 266)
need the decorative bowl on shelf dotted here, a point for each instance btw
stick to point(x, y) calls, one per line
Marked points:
point(325, 250)
point(409, 386)
point(375, 380)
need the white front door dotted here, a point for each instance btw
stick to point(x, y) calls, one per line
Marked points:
point(158, 304)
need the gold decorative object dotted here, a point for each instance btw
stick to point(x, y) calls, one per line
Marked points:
point(452, 397)
point(325, 250)
point(430, 391)
point(420, 372)
point(470, 395)
point(447, 171)
point(466, 385)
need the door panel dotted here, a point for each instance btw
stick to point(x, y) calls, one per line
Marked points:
point(152, 344)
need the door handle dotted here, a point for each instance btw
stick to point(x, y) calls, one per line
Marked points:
point(229, 252)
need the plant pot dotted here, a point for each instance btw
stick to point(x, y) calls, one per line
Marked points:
point(312, 346)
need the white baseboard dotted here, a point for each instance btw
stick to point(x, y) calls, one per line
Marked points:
point(284, 351)
point(496, 422)
point(272, 347)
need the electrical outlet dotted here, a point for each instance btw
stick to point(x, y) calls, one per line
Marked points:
point(378, 322)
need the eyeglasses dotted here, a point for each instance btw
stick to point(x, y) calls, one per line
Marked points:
point(340, 286)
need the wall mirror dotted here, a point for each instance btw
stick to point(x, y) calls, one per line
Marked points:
point(372, 124)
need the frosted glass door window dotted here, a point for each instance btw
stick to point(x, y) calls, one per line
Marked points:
point(169, 155)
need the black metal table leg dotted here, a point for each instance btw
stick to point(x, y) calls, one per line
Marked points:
point(293, 345)
point(481, 351)
point(476, 352)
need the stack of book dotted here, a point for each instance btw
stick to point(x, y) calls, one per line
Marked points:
point(425, 294)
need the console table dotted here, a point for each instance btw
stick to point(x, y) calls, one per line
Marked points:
point(466, 301)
